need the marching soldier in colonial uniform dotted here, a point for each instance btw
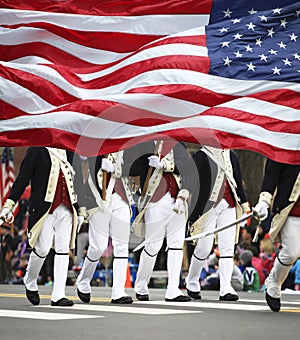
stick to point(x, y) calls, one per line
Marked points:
point(53, 218)
point(280, 192)
point(109, 209)
point(165, 212)
point(220, 201)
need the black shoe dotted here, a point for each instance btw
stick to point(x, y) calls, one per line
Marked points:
point(194, 295)
point(142, 297)
point(273, 303)
point(84, 297)
point(64, 302)
point(33, 296)
point(124, 300)
point(229, 297)
point(179, 298)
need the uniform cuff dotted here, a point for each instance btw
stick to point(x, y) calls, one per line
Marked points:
point(10, 204)
point(183, 193)
point(265, 196)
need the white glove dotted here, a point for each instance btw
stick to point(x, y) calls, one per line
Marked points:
point(261, 210)
point(107, 165)
point(7, 215)
point(181, 201)
point(179, 206)
point(156, 163)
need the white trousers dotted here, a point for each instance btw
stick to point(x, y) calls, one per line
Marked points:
point(56, 231)
point(114, 221)
point(290, 242)
point(220, 216)
point(161, 220)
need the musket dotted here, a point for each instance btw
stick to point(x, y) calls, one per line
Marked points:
point(145, 198)
point(150, 169)
point(212, 232)
point(104, 182)
point(137, 225)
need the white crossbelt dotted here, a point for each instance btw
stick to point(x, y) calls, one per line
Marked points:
point(110, 187)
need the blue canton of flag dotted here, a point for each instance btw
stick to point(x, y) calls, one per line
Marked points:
point(248, 41)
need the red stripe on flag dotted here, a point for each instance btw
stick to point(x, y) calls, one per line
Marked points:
point(112, 7)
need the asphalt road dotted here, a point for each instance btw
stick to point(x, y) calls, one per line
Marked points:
point(248, 318)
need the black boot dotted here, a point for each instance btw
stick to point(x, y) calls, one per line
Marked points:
point(273, 303)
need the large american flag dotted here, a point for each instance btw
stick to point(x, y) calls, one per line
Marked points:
point(96, 76)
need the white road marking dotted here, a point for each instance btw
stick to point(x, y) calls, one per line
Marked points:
point(192, 304)
point(297, 302)
point(129, 309)
point(44, 315)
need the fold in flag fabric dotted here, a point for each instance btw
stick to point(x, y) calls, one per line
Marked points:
point(98, 76)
